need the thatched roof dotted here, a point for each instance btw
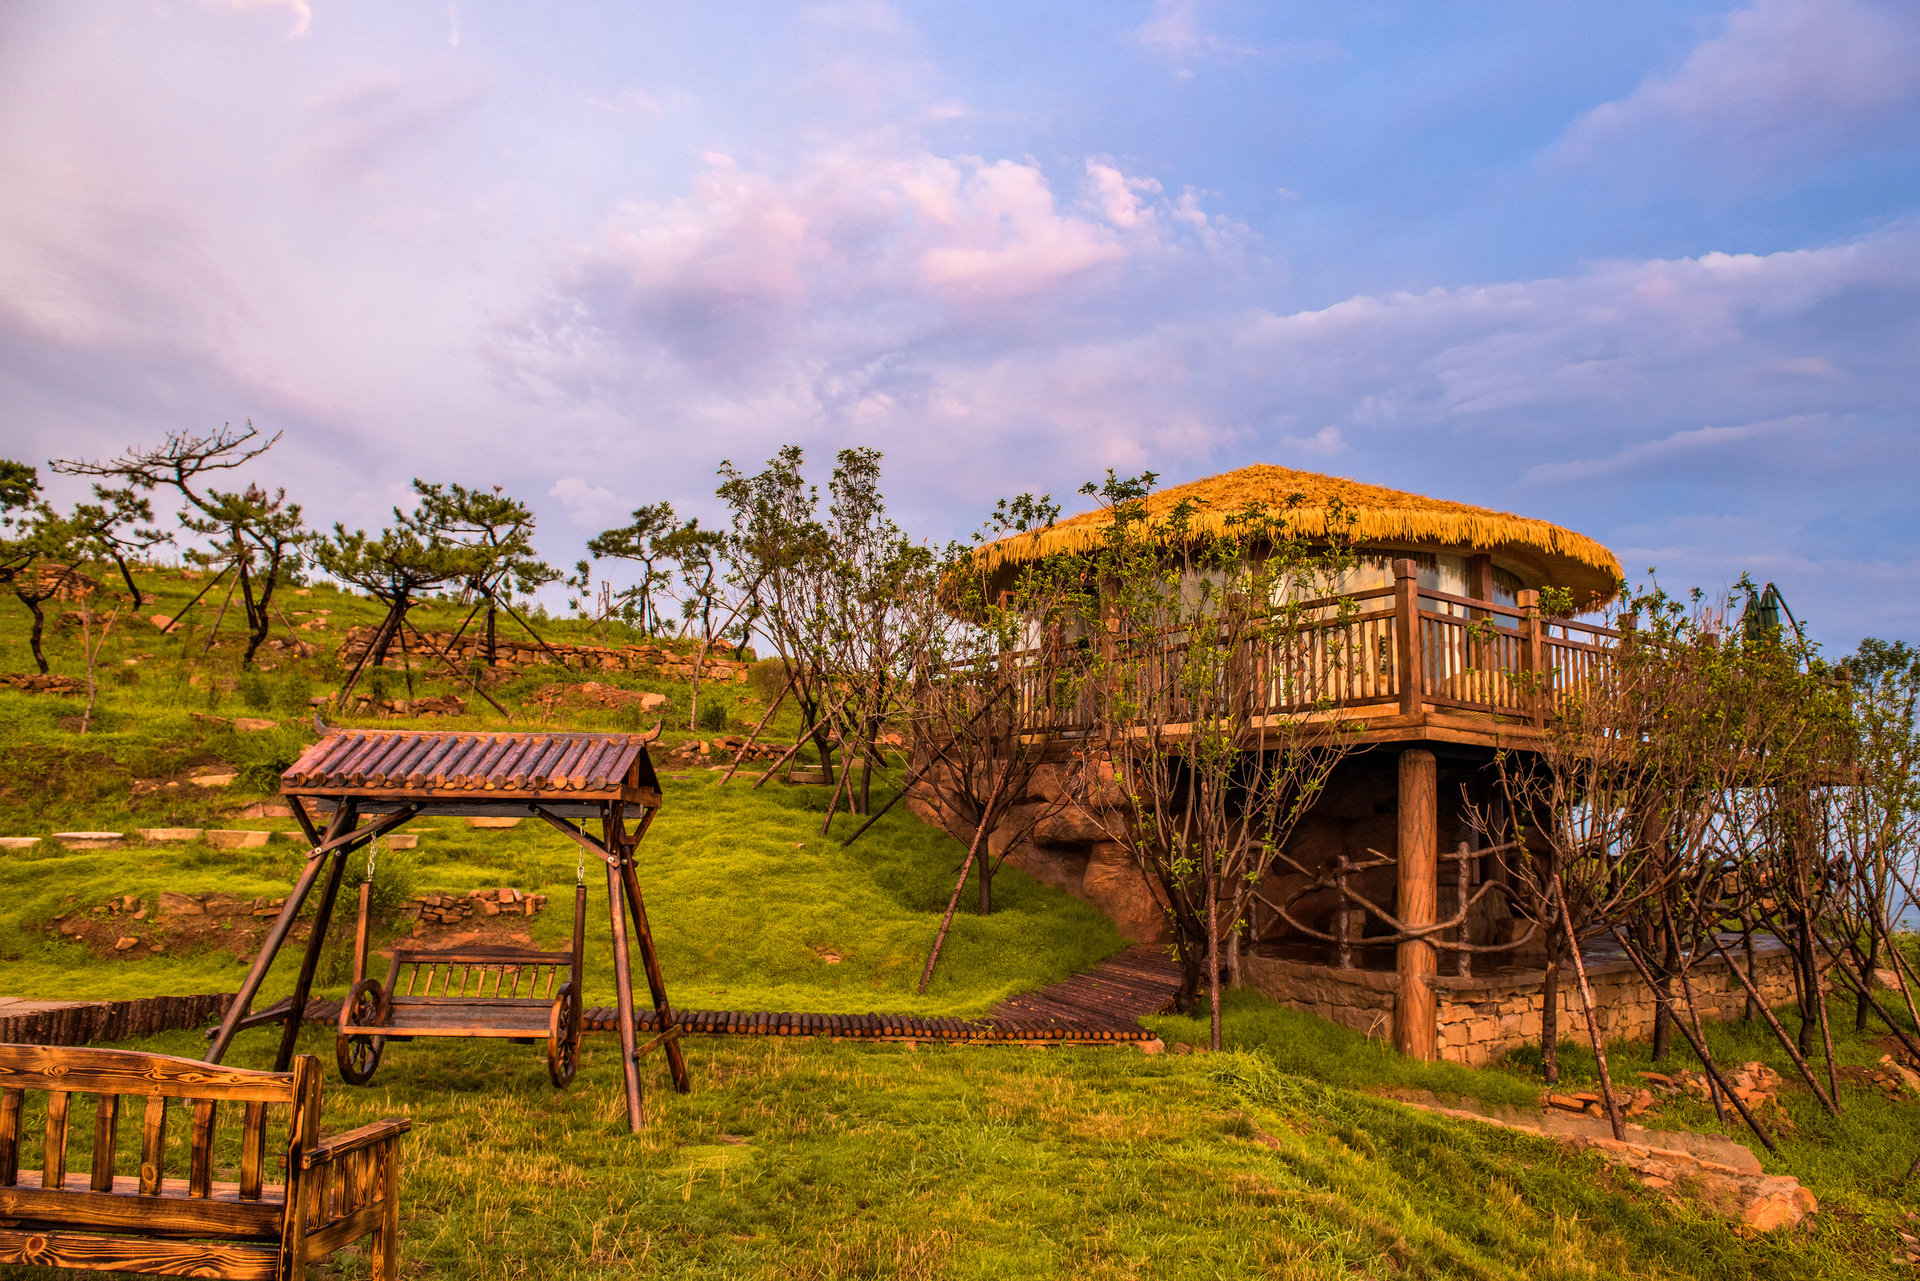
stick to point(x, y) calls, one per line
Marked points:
point(1390, 519)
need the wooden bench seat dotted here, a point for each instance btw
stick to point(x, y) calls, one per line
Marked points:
point(518, 994)
point(336, 1191)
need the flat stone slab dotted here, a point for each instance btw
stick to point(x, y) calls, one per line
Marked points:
point(232, 839)
point(18, 842)
point(213, 780)
point(13, 1005)
point(89, 840)
point(397, 841)
point(494, 822)
point(156, 835)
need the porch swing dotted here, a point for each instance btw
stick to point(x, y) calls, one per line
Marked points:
point(354, 786)
point(520, 1005)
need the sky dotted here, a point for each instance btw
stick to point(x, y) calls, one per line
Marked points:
point(1647, 270)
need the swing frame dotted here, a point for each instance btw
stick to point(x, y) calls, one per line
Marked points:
point(365, 783)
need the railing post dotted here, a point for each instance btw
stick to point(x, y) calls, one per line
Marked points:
point(1406, 611)
point(1534, 657)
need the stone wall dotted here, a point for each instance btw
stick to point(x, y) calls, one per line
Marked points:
point(1481, 1019)
point(657, 660)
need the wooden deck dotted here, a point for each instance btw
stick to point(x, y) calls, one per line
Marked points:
point(1104, 1004)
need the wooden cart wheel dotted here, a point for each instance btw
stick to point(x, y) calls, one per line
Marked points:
point(563, 1037)
point(359, 1054)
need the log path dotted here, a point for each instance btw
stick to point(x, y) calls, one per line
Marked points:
point(1103, 1004)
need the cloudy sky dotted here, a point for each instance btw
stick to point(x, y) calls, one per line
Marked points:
point(1650, 270)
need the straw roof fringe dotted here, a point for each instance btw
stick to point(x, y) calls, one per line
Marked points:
point(1379, 516)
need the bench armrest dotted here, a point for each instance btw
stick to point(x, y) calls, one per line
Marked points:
point(365, 1136)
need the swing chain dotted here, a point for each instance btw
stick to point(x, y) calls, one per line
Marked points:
point(373, 850)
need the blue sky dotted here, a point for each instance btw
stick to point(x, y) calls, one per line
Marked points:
point(1647, 270)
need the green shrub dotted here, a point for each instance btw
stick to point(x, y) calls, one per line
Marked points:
point(767, 678)
point(295, 691)
point(713, 714)
point(255, 692)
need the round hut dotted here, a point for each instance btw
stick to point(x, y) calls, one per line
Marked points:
point(1459, 549)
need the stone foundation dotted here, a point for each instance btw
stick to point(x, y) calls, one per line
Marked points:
point(1481, 1019)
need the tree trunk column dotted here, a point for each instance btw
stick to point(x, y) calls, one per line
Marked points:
point(1416, 1010)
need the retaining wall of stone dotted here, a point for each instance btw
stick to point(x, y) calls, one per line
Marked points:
point(1481, 1019)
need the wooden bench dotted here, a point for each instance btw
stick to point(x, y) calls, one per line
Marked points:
point(335, 1192)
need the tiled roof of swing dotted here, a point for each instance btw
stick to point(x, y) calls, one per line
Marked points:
point(465, 762)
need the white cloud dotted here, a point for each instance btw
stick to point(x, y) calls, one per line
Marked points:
point(1788, 86)
point(588, 506)
point(302, 14)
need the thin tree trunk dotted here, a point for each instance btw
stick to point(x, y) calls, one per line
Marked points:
point(39, 630)
point(1863, 1008)
point(1213, 956)
point(126, 576)
point(1663, 1010)
point(1550, 1011)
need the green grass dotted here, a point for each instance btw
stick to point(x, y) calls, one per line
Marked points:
point(1282, 1157)
point(806, 1159)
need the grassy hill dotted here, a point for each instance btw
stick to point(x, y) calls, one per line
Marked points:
point(1281, 1157)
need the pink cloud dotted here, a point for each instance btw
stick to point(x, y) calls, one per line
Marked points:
point(1786, 85)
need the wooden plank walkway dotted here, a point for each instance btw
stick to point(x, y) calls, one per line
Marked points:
point(1103, 1004)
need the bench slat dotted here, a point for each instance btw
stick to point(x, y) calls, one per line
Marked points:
point(10, 1101)
point(160, 1258)
point(221, 1213)
point(356, 1225)
point(153, 1145)
point(53, 1170)
point(106, 1134)
point(45, 1067)
point(253, 1151)
point(200, 1171)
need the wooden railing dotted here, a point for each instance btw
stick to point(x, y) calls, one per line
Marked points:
point(1402, 650)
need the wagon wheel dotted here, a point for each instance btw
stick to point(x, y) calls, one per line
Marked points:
point(358, 1054)
point(563, 1037)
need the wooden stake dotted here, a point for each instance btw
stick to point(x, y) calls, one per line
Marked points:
point(1586, 1007)
point(754, 737)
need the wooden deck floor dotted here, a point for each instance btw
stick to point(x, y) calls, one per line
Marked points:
point(1103, 1004)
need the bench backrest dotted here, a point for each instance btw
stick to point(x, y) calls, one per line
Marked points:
point(480, 972)
point(162, 1082)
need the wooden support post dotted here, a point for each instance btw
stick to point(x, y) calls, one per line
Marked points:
point(1416, 1010)
point(310, 962)
point(650, 960)
point(1406, 627)
point(343, 819)
point(622, 975)
point(1533, 655)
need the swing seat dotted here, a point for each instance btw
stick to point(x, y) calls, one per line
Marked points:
point(518, 994)
point(510, 993)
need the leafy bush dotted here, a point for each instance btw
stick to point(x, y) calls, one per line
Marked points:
point(713, 714)
point(295, 692)
point(767, 678)
point(255, 692)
